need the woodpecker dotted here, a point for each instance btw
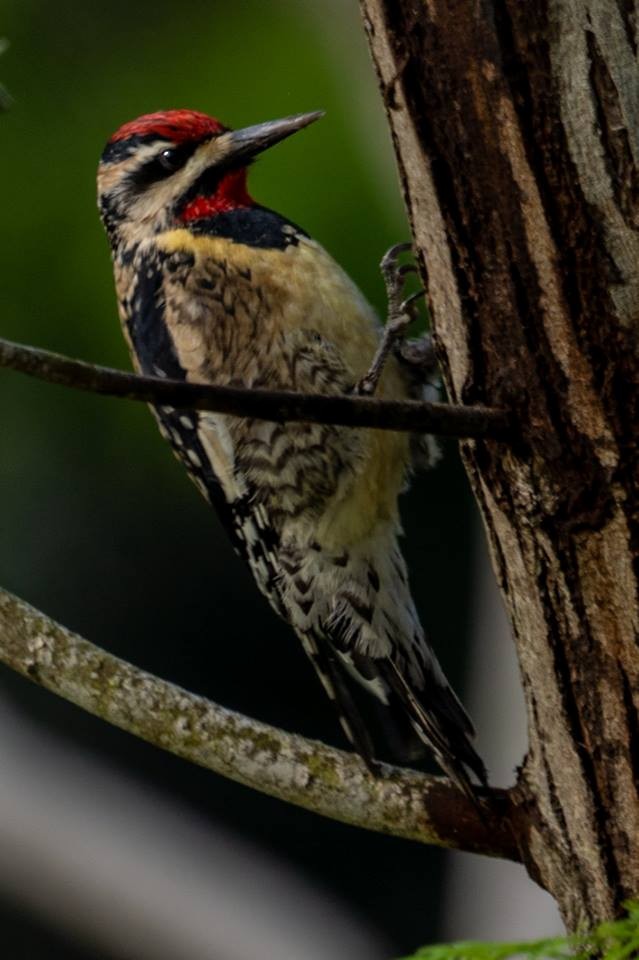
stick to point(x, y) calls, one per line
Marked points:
point(214, 288)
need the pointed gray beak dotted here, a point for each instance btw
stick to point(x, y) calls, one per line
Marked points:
point(246, 143)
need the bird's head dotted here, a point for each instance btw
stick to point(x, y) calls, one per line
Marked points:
point(173, 167)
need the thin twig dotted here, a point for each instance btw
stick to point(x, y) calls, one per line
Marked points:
point(284, 765)
point(280, 405)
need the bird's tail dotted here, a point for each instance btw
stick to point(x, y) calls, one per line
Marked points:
point(362, 631)
point(440, 723)
point(379, 642)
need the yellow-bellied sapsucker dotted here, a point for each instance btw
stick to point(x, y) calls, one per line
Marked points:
point(214, 288)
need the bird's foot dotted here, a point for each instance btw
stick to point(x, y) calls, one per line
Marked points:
point(401, 313)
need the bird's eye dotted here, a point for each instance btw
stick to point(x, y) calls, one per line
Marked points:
point(162, 165)
point(171, 160)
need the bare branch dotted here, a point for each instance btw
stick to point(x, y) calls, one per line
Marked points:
point(284, 765)
point(279, 405)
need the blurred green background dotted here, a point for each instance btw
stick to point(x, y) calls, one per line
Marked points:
point(100, 527)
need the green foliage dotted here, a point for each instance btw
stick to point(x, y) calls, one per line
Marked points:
point(613, 940)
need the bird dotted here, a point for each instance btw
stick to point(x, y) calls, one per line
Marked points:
point(214, 288)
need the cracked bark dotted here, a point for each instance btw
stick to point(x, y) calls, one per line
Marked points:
point(516, 128)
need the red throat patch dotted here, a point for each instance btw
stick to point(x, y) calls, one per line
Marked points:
point(231, 194)
point(176, 125)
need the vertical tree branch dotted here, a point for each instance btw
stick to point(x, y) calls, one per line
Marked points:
point(517, 133)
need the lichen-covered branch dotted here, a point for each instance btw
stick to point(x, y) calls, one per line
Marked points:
point(304, 772)
point(279, 405)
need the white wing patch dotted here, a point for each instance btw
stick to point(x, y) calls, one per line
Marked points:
point(375, 687)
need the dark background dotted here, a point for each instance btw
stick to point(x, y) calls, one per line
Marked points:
point(100, 527)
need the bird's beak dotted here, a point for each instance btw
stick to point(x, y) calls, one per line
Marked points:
point(244, 144)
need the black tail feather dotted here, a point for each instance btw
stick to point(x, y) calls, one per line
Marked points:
point(436, 722)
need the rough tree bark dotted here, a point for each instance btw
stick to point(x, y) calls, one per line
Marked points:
point(516, 127)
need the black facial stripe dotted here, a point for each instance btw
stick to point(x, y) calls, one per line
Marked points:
point(154, 170)
point(207, 183)
point(121, 149)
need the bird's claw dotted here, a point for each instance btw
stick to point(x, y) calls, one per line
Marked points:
point(394, 273)
point(390, 258)
point(401, 313)
point(407, 306)
point(407, 268)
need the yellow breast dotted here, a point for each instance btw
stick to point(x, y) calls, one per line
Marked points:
point(309, 290)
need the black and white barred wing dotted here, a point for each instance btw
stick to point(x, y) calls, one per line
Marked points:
point(365, 621)
point(177, 333)
point(262, 478)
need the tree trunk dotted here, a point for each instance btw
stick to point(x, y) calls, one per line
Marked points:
point(516, 127)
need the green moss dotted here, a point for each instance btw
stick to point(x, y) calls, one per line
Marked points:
point(322, 767)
